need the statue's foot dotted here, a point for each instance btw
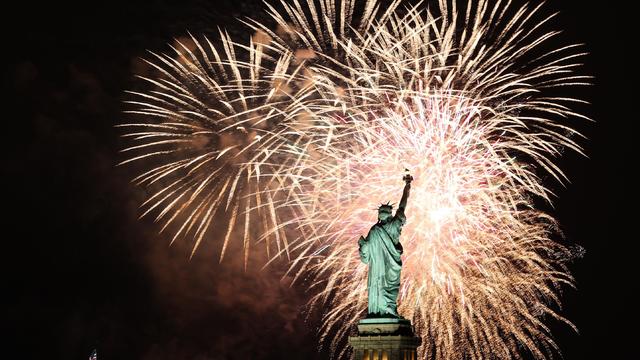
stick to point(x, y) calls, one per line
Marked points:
point(391, 314)
point(398, 316)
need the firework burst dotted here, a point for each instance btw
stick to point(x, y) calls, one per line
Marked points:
point(305, 129)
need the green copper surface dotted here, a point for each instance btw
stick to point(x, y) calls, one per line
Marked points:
point(381, 250)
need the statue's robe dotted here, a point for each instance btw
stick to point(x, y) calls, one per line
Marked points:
point(381, 250)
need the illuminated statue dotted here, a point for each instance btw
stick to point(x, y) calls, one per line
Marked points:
point(381, 250)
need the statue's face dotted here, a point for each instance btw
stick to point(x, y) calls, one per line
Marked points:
point(383, 216)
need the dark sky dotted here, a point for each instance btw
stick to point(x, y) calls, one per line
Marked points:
point(80, 271)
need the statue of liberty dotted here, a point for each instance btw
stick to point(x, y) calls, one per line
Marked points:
point(381, 250)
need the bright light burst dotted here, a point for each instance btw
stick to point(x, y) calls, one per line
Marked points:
point(295, 138)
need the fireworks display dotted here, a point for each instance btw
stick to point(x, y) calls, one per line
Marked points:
point(293, 138)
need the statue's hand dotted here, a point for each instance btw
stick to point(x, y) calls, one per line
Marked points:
point(407, 178)
point(362, 240)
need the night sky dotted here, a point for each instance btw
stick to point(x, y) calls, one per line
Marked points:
point(80, 271)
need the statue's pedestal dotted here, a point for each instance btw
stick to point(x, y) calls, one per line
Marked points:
point(384, 339)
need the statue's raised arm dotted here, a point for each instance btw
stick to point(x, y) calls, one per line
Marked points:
point(405, 193)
